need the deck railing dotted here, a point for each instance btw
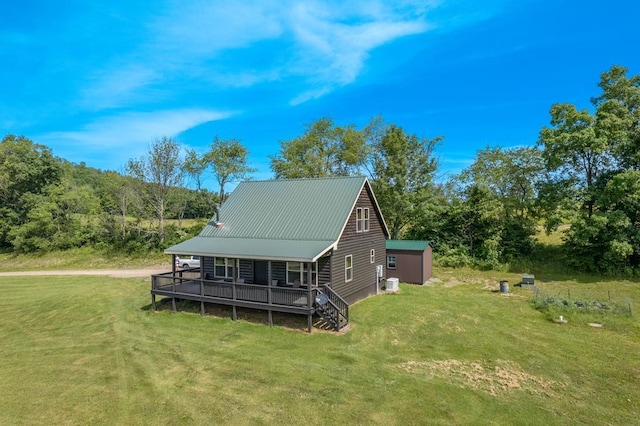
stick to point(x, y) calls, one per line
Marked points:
point(191, 284)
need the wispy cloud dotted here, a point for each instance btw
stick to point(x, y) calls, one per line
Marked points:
point(333, 44)
point(128, 134)
point(324, 46)
point(206, 52)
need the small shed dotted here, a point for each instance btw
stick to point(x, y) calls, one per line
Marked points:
point(409, 260)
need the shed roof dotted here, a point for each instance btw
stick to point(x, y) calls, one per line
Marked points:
point(412, 245)
point(293, 219)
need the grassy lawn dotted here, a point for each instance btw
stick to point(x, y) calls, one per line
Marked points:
point(87, 350)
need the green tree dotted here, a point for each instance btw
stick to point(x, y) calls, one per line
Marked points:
point(26, 169)
point(618, 115)
point(592, 162)
point(194, 166)
point(575, 149)
point(120, 199)
point(403, 168)
point(161, 172)
point(228, 161)
point(511, 176)
point(58, 219)
point(324, 149)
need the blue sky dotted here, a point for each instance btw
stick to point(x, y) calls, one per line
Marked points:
point(97, 82)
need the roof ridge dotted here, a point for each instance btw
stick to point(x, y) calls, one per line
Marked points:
point(305, 179)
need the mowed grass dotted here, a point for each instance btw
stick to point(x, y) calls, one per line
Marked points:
point(88, 350)
point(81, 258)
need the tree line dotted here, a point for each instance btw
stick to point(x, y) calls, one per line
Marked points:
point(583, 174)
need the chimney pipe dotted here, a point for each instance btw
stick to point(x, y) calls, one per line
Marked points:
point(218, 223)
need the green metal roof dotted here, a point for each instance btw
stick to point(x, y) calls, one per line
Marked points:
point(279, 219)
point(243, 248)
point(413, 245)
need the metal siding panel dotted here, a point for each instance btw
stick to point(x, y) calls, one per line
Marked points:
point(428, 264)
point(408, 266)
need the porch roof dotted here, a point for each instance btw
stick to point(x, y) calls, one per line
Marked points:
point(252, 248)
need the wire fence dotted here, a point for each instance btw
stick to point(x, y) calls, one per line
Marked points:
point(605, 301)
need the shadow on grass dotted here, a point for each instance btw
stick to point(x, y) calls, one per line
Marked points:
point(253, 316)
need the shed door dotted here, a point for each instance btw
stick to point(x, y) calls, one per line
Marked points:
point(260, 272)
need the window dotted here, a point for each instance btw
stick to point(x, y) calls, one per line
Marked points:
point(391, 262)
point(297, 271)
point(362, 219)
point(223, 267)
point(348, 268)
point(372, 256)
point(365, 213)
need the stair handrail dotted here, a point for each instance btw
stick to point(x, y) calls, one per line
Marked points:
point(341, 306)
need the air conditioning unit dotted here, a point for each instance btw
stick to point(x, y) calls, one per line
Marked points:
point(392, 284)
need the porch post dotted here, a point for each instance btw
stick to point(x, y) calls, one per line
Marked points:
point(309, 295)
point(269, 294)
point(234, 288)
point(309, 285)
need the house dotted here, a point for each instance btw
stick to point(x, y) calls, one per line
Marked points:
point(303, 246)
point(408, 260)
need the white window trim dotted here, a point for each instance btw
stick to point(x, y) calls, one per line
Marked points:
point(348, 269)
point(362, 219)
point(303, 272)
point(228, 263)
point(395, 262)
point(365, 218)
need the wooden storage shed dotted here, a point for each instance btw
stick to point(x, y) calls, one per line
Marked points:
point(409, 260)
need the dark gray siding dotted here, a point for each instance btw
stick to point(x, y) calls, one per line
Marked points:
point(279, 271)
point(359, 245)
point(207, 264)
point(246, 270)
point(324, 270)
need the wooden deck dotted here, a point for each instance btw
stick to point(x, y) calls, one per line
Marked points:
point(190, 285)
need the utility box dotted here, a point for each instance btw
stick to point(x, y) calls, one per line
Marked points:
point(392, 284)
point(528, 280)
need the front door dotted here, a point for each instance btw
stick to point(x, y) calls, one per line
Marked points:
point(260, 272)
